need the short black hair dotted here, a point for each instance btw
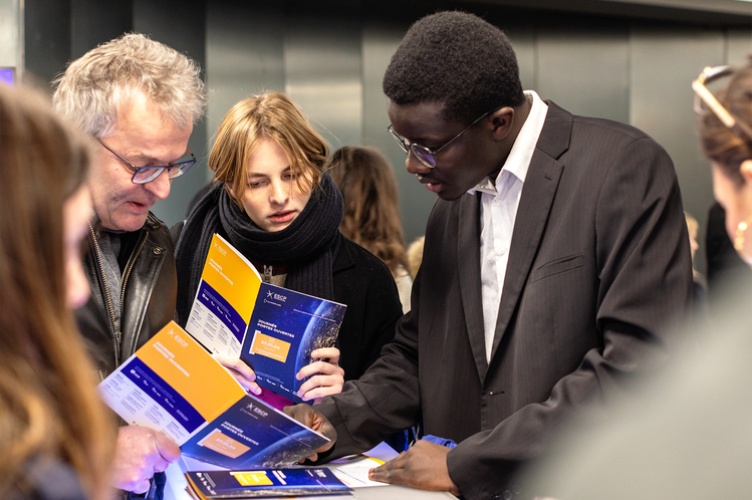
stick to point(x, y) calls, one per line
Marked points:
point(457, 59)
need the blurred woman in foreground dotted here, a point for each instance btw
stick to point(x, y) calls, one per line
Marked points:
point(56, 437)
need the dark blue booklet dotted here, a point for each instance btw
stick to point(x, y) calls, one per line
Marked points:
point(272, 328)
point(279, 482)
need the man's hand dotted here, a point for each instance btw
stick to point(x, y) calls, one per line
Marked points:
point(325, 376)
point(423, 466)
point(309, 417)
point(243, 373)
point(139, 453)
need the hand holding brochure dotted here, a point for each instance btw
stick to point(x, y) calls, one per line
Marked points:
point(271, 328)
point(225, 484)
point(172, 384)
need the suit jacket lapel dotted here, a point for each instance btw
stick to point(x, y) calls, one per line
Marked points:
point(537, 197)
point(468, 250)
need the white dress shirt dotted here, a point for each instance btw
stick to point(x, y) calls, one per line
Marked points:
point(499, 203)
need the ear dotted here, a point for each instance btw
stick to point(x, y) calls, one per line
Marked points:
point(229, 189)
point(746, 171)
point(502, 120)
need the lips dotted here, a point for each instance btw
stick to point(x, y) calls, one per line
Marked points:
point(140, 206)
point(431, 184)
point(281, 217)
point(434, 187)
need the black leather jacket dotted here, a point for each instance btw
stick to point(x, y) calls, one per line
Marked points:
point(149, 293)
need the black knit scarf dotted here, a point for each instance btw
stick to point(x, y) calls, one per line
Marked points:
point(307, 247)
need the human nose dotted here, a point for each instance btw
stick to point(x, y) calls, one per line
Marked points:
point(414, 165)
point(279, 193)
point(160, 187)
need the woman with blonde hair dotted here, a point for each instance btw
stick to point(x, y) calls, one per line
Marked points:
point(272, 200)
point(55, 434)
point(369, 188)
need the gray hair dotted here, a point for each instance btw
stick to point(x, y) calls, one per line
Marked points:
point(93, 86)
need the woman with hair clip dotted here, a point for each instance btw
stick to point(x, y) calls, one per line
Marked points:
point(368, 186)
point(55, 435)
point(725, 133)
point(273, 201)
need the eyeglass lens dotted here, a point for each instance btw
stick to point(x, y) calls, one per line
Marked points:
point(144, 175)
point(420, 152)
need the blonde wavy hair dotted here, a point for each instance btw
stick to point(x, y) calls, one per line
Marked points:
point(271, 115)
point(49, 406)
point(94, 86)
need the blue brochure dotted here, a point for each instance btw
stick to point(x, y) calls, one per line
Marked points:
point(287, 482)
point(285, 327)
point(271, 328)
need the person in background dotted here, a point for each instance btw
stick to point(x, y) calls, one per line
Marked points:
point(699, 289)
point(272, 200)
point(685, 435)
point(139, 100)
point(369, 188)
point(723, 263)
point(415, 255)
point(558, 253)
point(55, 434)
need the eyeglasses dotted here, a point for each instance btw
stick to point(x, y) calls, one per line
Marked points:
point(706, 97)
point(427, 156)
point(144, 175)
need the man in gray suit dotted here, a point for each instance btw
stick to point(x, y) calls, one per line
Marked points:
point(554, 258)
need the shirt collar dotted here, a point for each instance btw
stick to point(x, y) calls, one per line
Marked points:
point(518, 161)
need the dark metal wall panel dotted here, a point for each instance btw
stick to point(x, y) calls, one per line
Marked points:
point(380, 40)
point(585, 71)
point(665, 60)
point(244, 55)
point(323, 73)
point(47, 38)
point(94, 22)
point(187, 34)
point(739, 45)
point(525, 43)
point(331, 55)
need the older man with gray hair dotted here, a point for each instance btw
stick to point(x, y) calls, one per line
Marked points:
point(139, 99)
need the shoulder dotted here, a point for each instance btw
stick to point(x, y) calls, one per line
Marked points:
point(559, 118)
point(158, 231)
point(353, 257)
point(360, 267)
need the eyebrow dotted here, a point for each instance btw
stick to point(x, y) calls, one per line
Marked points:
point(147, 160)
point(257, 174)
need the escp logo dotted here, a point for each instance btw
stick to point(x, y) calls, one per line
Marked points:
point(257, 411)
point(276, 296)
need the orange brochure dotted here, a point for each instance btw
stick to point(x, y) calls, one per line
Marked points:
point(174, 385)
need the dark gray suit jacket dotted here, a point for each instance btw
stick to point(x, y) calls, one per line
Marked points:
point(599, 262)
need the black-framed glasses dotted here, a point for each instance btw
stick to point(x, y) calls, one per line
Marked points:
point(144, 175)
point(427, 156)
point(704, 96)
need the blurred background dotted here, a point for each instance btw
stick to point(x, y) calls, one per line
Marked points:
point(627, 60)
